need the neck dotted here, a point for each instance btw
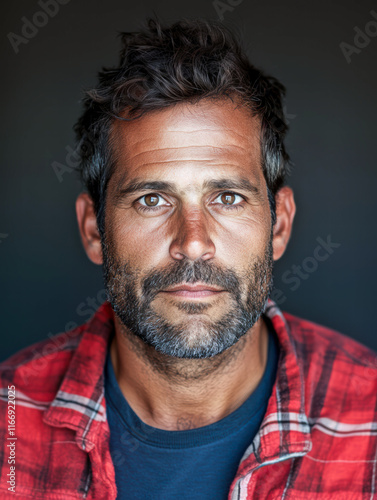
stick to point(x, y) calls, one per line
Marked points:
point(176, 394)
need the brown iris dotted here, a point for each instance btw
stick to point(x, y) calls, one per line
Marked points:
point(228, 198)
point(151, 200)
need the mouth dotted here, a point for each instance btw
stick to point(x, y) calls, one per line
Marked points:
point(194, 291)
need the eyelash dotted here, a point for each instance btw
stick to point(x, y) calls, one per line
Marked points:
point(238, 206)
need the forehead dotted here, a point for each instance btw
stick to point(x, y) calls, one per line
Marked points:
point(188, 143)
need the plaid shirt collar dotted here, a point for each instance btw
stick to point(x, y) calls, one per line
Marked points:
point(80, 404)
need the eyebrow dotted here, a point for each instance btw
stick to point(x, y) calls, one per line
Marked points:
point(242, 183)
point(136, 185)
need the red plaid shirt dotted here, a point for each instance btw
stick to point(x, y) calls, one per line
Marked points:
point(318, 438)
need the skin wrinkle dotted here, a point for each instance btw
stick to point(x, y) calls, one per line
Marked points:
point(214, 150)
point(144, 252)
point(206, 161)
point(254, 127)
point(197, 151)
point(221, 184)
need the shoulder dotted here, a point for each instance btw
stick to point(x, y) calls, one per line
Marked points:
point(318, 340)
point(338, 380)
point(44, 453)
point(40, 367)
point(336, 368)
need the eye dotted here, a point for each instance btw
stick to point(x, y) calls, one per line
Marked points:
point(229, 198)
point(151, 200)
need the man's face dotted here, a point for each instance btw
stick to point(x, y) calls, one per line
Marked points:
point(188, 238)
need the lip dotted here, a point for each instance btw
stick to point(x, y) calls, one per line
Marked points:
point(196, 290)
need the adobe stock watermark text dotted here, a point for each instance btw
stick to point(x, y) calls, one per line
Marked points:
point(30, 27)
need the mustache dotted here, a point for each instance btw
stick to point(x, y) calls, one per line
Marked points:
point(190, 272)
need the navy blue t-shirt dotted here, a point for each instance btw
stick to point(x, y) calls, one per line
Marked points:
point(200, 463)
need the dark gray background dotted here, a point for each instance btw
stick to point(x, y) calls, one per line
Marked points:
point(47, 280)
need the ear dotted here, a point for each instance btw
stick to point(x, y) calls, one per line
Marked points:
point(86, 218)
point(285, 212)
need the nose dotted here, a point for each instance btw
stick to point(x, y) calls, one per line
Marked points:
point(192, 239)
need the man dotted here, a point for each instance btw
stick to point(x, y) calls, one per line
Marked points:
point(189, 382)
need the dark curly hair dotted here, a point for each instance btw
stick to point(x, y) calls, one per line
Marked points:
point(165, 65)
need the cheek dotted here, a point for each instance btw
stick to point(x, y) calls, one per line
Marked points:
point(140, 241)
point(243, 239)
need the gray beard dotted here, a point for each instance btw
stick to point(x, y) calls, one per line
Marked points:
point(197, 337)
